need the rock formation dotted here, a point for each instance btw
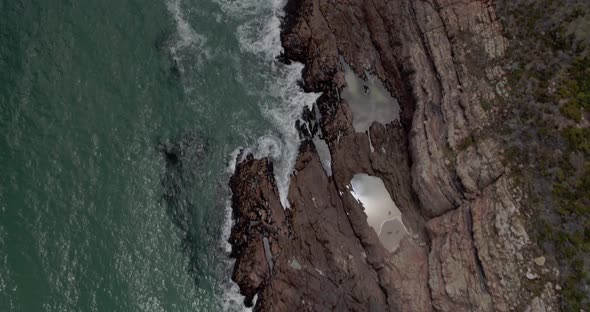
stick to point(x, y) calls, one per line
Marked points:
point(469, 250)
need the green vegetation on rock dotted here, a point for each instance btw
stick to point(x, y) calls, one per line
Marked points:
point(575, 89)
point(550, 106)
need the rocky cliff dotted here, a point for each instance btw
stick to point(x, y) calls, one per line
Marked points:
point(466, 246)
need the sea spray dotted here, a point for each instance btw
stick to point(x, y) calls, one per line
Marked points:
point(186, 40)
point(259, 33)
point(95, 234)
point(282, 100)
point(184, 45)
point(231, 300)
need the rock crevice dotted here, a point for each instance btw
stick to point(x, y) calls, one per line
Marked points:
point(443, 175)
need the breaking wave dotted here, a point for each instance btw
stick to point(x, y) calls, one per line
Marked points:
point(259, 34)
point(281, 99)
point(186, 40)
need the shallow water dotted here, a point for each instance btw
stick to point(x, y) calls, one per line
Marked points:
point(382, 212)
point(368, 100)
point(118, 122)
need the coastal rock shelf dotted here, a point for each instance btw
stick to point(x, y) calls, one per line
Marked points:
point(462, 244)
point(369, 101)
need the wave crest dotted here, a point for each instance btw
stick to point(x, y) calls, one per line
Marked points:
point(259, 33)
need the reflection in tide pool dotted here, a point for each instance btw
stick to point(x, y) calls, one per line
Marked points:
point(369, 101)
point(382, 213)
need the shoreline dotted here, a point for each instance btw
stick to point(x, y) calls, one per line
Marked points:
point(449, 183)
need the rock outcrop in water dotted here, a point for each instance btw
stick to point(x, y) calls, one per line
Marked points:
point(468, 249)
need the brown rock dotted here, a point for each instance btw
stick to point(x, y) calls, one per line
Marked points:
point(499, 239)
point(479, 165)
point(439, 59)
point(316, 234)
point(473, 259)
point(456, 277)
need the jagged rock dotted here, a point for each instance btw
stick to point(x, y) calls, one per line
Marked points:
point(316, 233)
point(494, 214)
point(258, 214)
point(440, 61)
point(435, 60)
point(456, 278)
point(406, 277)
point(474, 254)
point(479, 165)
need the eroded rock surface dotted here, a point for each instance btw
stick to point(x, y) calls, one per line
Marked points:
point(476, 255)
point(468, 247)
point(314, 247)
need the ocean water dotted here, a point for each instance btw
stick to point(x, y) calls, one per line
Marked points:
point(120, 122)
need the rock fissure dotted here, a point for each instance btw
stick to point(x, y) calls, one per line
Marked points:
point(479, 266)
point(451, 198)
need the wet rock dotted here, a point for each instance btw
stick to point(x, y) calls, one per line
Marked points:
point(438, 60)
point(315, 231)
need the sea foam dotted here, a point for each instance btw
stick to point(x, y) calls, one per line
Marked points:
point(259, 33)
point(186, 37)
point(188, 49)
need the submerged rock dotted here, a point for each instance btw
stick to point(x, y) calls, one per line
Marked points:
point(182, 157)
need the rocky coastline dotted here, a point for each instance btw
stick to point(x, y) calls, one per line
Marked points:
point(467, 247)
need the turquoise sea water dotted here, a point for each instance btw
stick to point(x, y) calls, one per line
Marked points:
point(117, 124)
